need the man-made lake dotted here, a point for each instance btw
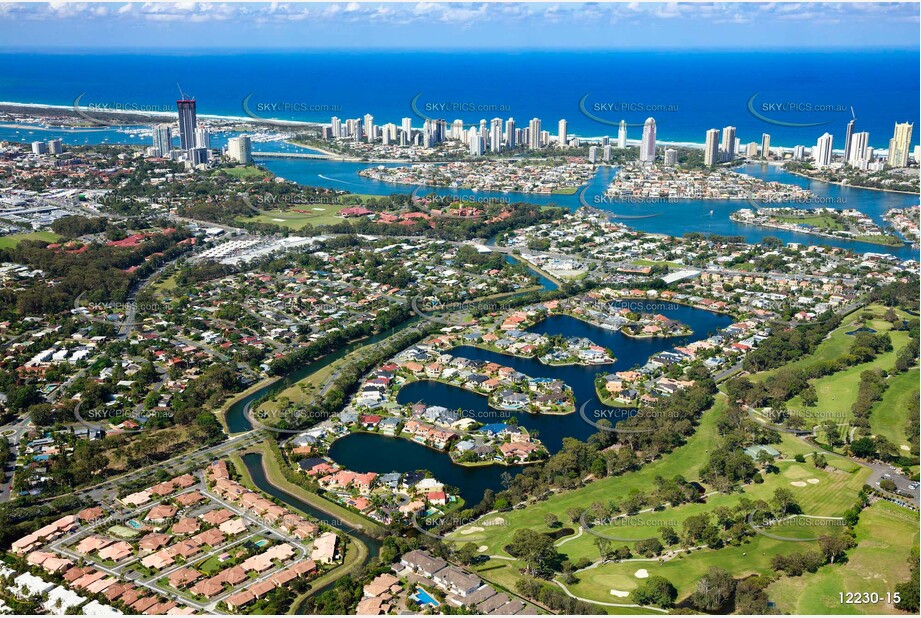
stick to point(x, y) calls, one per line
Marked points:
point(378, 453)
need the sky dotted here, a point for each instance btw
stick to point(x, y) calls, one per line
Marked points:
point(126, 26)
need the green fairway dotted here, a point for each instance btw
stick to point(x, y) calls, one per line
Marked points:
point(885, 535)
point(314, 214)
point(838, 392)
point(10, 241)
point(890, 415)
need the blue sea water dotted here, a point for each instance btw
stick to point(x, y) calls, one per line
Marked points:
point(693, 91)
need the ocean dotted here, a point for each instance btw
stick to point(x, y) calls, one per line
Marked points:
point(687, 92)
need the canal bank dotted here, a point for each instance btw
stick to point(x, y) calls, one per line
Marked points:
point(365, 547)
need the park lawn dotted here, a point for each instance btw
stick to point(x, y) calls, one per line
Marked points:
point(10, 241)
point(686, 460)
point(824, 222)
point(318, 214)
point(886, 534)
point(247, 171)
point(838, 392)
point(890, 415)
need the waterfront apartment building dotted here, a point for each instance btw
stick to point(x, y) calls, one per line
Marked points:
point(622, 135)
point(671, 156)
point(765, 145)
point(188, 122)
point(712, 147)
point(369, 127)
point(857, 149)
point(648, 144)
point(534, 134)
point(55, 146)
point(202, 138)
point(495, 135)
point(606, 153)
point(476, 143)
point(593, 154)
point(39, 148)
point(900, 144)
point(822, 152)
point(799, 153)
point(847, 140)
point(240, 149)
point(561, 130)
point(511, 134)
point(728, 146)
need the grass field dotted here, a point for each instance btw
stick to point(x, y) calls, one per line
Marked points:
point(823, 222)
point(249, 171)
point(890, 415)
point(319, 214)
point(10, 241)
point(885, 535)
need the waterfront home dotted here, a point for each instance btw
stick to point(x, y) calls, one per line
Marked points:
point(325, 548)
point(517, 451)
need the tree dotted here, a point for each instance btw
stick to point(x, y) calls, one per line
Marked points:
point(552, 521)
point(784, 501)
point(834, 547)
point(604, 547)
point(668, 534)
point(536, 550)
point(713, 590)
point(809, 396)
point(655, 590)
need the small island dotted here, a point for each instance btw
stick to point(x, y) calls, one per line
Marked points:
point(845, 224)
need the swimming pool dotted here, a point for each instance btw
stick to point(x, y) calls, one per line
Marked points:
point(135, 524)
point(261, 542)
point(424, 598)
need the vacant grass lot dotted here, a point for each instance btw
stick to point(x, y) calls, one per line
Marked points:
point(10, 241)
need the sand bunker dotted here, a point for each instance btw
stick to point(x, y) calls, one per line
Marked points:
point(798, 484)
point(482, 548)
point(471, 530)
point(641, 574)
point(904, 447)
point(620, 593)
point(812, 481)
point(318, 209)
point(277, 219)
